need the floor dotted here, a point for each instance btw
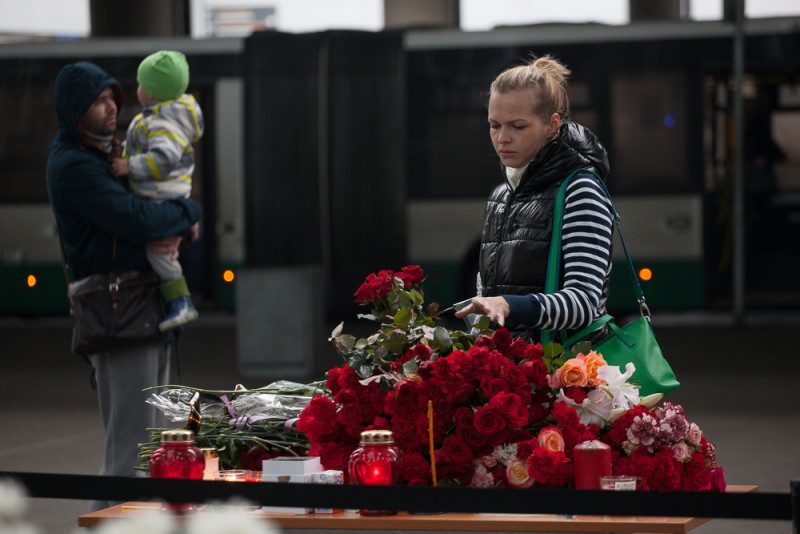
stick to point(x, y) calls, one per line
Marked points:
point(738, 383)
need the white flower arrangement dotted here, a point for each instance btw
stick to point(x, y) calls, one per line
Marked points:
point(609, 399)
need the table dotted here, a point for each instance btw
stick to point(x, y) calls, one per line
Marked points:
point(346, 521)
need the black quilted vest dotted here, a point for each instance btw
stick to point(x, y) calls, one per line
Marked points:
point(515, 241)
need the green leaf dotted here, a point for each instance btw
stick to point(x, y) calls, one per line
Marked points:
point(558, 362)
point(344, 343)
point(418, 299)
point(410, 367)
point(482, 323)
point(365, 371)
point(552, 350)
point(394, 296)
point(582, 347)
point(355, 360)
point(402, 317)
point(396, 342)
point(441, 338)
point(361, 343)
point(379, 354)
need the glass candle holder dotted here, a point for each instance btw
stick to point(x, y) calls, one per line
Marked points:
point(177, 458)
point(233, 475)
point(252, 475)
point(620, 483)
point(375, 463)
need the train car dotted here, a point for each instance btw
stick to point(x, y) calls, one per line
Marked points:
point(659, 95)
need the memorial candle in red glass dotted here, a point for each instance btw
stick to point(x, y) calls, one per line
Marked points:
point(592, 460)
point(375, 463)
point(177, 458)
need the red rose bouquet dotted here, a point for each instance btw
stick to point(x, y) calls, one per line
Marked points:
point(505, 412)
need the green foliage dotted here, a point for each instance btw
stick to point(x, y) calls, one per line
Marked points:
point(404, 320)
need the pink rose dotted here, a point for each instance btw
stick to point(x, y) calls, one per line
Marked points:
point(517, 474)
point(695, 435)
point(551, 438)
point(681, 452)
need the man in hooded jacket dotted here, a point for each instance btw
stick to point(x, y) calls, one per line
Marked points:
point(101, 221)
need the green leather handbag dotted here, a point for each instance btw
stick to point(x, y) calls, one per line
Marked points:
point(635, 342)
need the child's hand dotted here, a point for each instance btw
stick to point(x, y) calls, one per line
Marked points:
point(168, 245)
point(119, 166)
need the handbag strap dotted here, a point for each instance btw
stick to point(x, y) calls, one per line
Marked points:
point(554, 259)
point(64, 265)
point(113, 283)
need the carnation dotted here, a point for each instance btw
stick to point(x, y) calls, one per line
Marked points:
point(482, 478)
point(415, 469)
point(643, 430)
point(550, 468)
point(695, 475)
point(666, 474)
point(503, 454)
point(672, 424)
point(618, 433)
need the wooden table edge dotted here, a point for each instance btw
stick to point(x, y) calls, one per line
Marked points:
point(465, 522)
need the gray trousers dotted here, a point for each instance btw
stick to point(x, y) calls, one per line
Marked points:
point(121, 376)
point(165, 267)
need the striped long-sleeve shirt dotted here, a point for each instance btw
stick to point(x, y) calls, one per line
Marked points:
point(586, 251)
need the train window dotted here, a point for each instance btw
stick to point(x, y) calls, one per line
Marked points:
point(786, 133)
point(26, 130)
point(649, 133)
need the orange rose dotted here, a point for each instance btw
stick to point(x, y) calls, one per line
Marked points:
point(573, 373)
point(551, 438)
point(594, 361)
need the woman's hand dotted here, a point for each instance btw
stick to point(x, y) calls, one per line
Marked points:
point(495, 308)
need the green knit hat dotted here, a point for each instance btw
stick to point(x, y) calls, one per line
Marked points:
point(164, 75)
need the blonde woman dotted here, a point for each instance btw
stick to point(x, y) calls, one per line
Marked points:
point(538, 147)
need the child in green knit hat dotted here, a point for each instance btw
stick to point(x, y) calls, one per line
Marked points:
point(159, 161)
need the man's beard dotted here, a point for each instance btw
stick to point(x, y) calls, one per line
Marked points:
point(97, 128)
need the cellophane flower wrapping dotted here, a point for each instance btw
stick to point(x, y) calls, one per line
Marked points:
point(246, 426)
